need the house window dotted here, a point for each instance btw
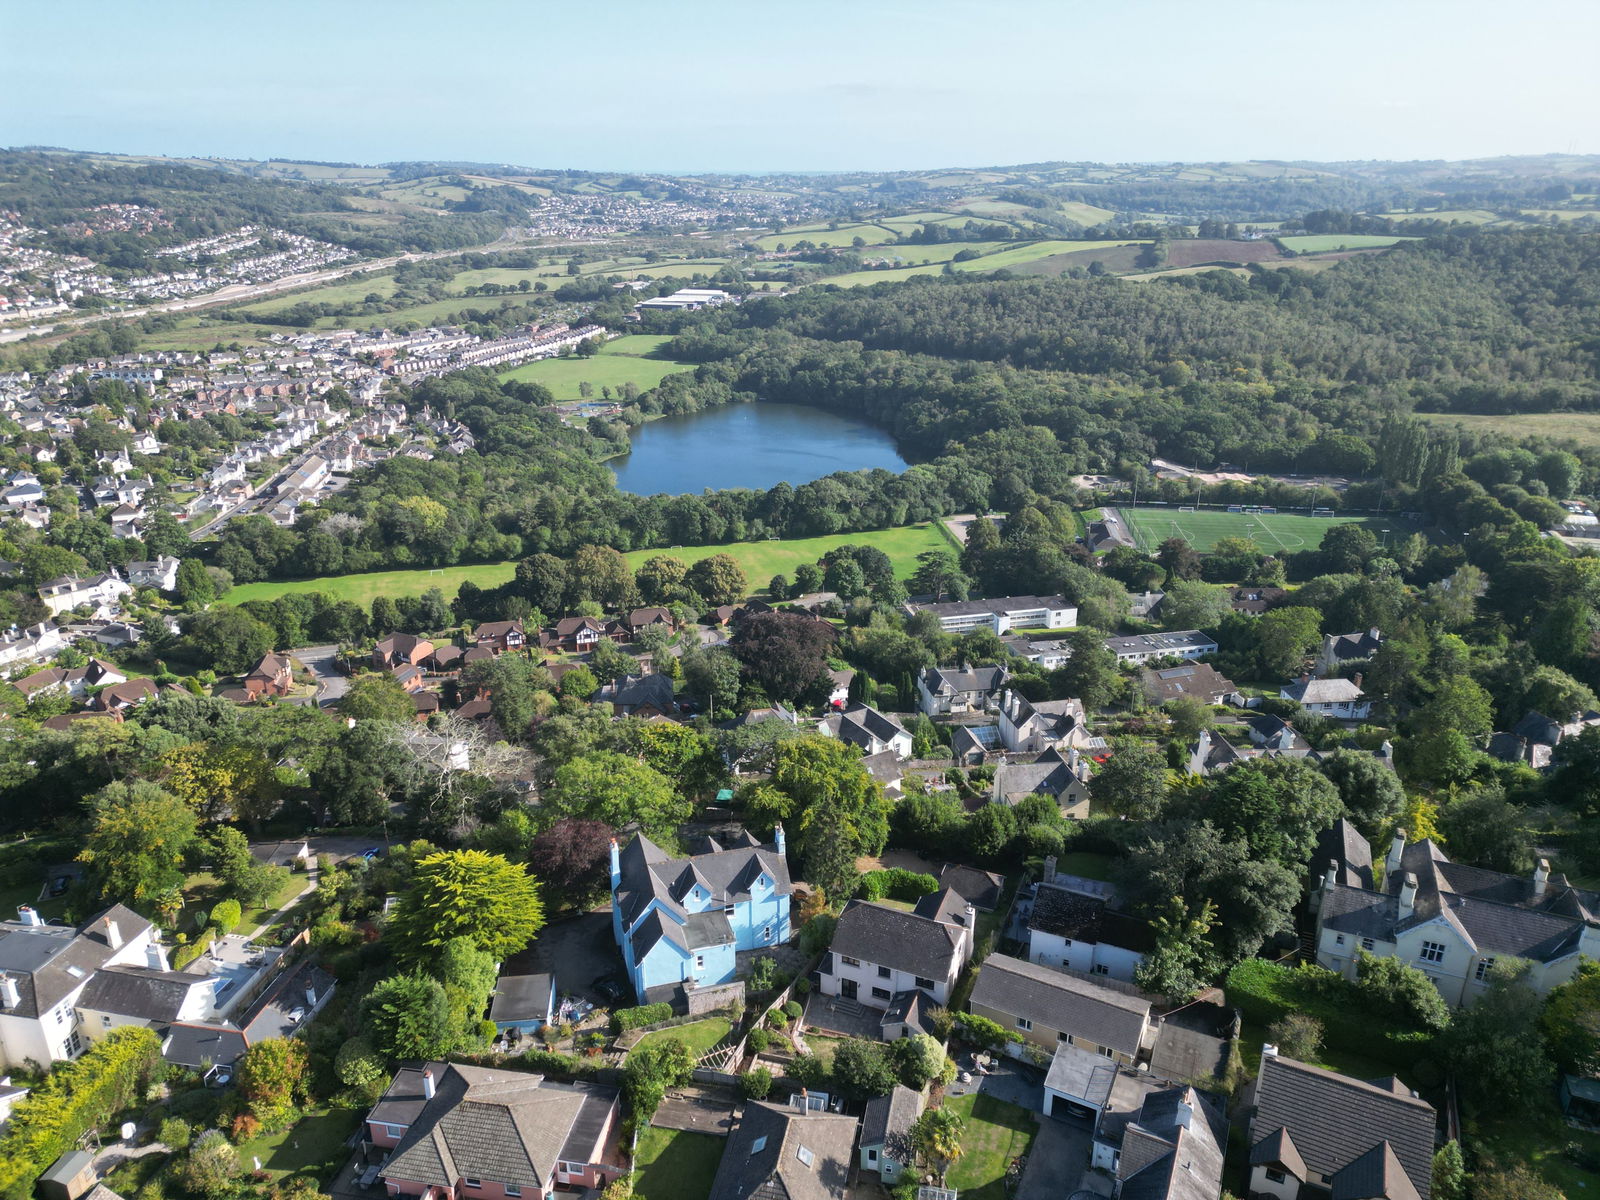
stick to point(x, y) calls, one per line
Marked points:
point(881, 994)
point(513, 1190)
point(470, 1182)
point(883, 972)
point(1066, 941)
point(394, 1131)
point(1274, 1175)
point(1432, 952)
point(848, 961)
point(872, 1156)
point(728, 910)
point(760, 1144)
point(1484, 967)
point(1367, 944)
point(1105, 1051)
point(106, 1021)
point(1024, 1023)
point(925, 984)
point(699, 962)
point(1100, 969)
point(1338, 939)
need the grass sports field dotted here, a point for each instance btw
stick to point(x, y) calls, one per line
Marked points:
point(620, 361)
point(760, 561)
point(1202, 530)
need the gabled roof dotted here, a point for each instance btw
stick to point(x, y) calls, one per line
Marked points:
point(1334, 1120)
point(1185, 1139)
point(140, 992)
point(1376, 1175)
point(783, 1154)
point(860, 725)
point(951, 681)
point(1062, 1002)
point(728, 875)
point(891, 937)
point(50, 962)
point(1343, 843)
point(981, 888)
point(1323, 691)
point(1069, 914)
point(889, 1117)
point(504, 1126)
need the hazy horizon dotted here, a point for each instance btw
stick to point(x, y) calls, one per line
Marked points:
point(885, 86)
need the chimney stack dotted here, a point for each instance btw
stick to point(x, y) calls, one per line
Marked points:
point(779, 842)
point(29, 915)
point(1541, 875)
point(1408, 895)
point(1049, 867)
point(427, 1083)
point(1397, 848)
point(113, 934)
point(1356, 679)
point(616, 864)
point(154, 958)
point(311, 996)
point(10, 997)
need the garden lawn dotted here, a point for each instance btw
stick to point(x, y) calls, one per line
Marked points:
point(1539, 1139)
point(202, 890)
point(675, 1164)
point(314, 1144)
point(996, 1133)
point(823, 1048)
point(699, 1036)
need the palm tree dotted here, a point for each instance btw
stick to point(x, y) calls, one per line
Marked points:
point(936, 1138)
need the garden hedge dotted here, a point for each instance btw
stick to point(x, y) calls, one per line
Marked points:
point(625, 1019)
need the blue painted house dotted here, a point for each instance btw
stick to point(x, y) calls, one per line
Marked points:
point(683, 920)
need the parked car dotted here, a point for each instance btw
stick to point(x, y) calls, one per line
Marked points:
point(610, 988)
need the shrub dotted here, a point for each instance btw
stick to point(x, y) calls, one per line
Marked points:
point(762, 973)
point(559, 1066)
point(1265, 992)
point(184, 955)
point(625, 1019)
point(226, 914)
point(245, 1126)
point(756, 1084)
point(175, 1132)
point(759, 1040)
point(896, 883)
point(980, 1031)
point(1297, 1035)
point(809, 1071)
point(1396, 988)
point(620, 1188)
point(778, 1019)
point(802, 987)
point(793, 1009)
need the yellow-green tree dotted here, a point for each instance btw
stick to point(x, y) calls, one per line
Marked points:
point(491, 902)
point(223, 782)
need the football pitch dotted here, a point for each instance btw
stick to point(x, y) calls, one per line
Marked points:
point(1271, 531)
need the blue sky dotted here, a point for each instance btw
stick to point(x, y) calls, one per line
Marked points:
point(695, 85)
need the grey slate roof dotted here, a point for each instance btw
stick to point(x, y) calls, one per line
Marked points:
point(860, 724)
point(949, 681)
point(50, 962)
point(1342, 843)
point(504, 1126)
point(1062, 1002)
point(1082, 918)
point(890, 1117)
point(192, 1045)
point(727, 874)
point(981, 888)
point(777, 1171)
point(1334, 1120)
point(1051, 774)
point(636, 691)
point(1186, 1138)
point(1322, 691)
point(131, 991)
point(890, 937)
point(1376, 1175)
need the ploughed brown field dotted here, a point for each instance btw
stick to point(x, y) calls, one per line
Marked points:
point(1191, 252)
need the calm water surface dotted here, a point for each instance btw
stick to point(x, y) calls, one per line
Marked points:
point(749, 446)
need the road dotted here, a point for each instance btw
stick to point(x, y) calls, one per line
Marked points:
point(320, 661)
point(234, 293)
point(263, 492)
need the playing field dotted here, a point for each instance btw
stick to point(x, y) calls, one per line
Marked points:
point(1317, 243)
point(1202, 530)
point(1580, 427)
point(760, 561)
point(619, 362)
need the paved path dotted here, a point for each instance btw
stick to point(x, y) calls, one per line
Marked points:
point(322, 661)
point(1058, 1163)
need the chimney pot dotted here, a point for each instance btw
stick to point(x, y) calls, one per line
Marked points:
point(427, 1084)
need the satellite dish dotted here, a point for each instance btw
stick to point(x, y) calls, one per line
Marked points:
point(128, 1130)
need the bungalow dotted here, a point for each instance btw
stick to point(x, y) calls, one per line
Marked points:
point(1201, 681)
point(129, 694)
point(786, 1153)
point(1313, 1130)
point(639, 696)
point(885, 1133)
point(869, 729)
point(524, 1000)
point(1050, 1008)
point(1341, 699)
point(880, 952)
point(943, 690)
point(1253, 601)
point(461, 1131)
point(1185, 643)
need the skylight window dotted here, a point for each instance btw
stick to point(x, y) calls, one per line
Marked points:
point(75, 971)
point(760, 1144)
point(803, 1153)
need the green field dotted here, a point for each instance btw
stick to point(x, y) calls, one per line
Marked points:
point(1202, 530)
point(1582, 428)
point(821, 235)
point(1318, 243)
point(352, 291)
point(996, 1132)
point(1471, 216)
point(620, 361)
point(760, 561)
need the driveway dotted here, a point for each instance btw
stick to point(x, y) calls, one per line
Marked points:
point(1058, 1164)
point(577, 951)
point(320, 660)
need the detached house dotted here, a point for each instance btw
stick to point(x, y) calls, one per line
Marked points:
point(681, 921)
point(1073, 924)
point(272, 676)
point(1028, 726)
point(500, 636)
point(472, 1132)
point(401, 649)
point(1316, 1132)
point(1050, 1008)
point(1451, 921)
point(1063, 777)
point(1341, 699)
point(869, 729)
point(786, 1153)
point(880, 953)
point(943, 690)
point(97, 591)
point(1339, 648)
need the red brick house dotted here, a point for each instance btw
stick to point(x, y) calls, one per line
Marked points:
point(579, 633)
point(408, 677)
point(272, 676)
point(399, 650)
point(129, 694)
point(458, 1132)
point(644, 618)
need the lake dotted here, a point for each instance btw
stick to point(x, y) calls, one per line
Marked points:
point(749, 446)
